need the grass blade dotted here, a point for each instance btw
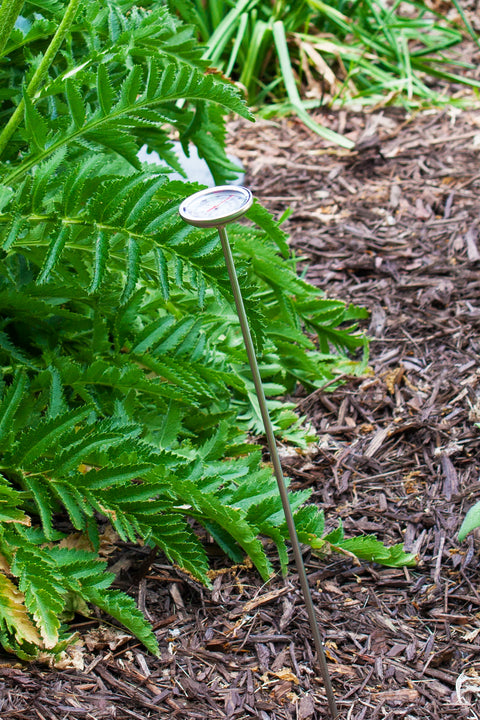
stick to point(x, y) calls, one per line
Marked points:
point(293, 94)
point(216, 45)
point(242, 27)
point(466, 22)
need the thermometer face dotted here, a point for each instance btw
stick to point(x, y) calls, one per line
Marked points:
point(216, 206)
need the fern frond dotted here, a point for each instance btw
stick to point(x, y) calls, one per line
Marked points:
point(43, 590)
point(82, 569)
point(182, 374)
point(102, 375)
point(207, 505)
point(197, 250)
point(172, 534)
point(36, 441)
point(110, 477)
point(123, 609)
point(261, 217)
point(167, 82)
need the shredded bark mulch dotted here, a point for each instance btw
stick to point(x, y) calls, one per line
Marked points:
point(393, 226)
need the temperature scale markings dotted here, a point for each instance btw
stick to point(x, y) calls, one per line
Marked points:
point(214, 207)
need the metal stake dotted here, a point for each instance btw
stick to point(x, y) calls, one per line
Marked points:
point(277, 467)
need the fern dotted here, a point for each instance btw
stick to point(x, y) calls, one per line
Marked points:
point(43, 589)
point(125, 394)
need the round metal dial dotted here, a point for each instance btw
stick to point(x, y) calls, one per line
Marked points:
point(216, 206)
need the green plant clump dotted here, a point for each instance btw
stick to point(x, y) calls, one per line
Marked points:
point(300, 54)
point(125, 395)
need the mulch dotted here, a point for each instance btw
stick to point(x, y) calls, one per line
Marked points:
point(394, 226)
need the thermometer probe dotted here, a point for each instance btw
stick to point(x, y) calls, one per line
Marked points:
point(216, 207)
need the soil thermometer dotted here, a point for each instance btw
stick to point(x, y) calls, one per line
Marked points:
point(216, 207)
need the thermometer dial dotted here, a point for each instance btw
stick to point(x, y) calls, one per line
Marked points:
point(217, 206)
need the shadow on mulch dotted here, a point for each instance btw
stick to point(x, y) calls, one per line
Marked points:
point(393, 226)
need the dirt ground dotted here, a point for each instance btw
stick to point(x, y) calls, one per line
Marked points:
point(394, 226)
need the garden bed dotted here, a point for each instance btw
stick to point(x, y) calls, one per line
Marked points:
point(394, 226)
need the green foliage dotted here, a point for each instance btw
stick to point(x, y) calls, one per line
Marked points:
point(364, 547)
point(365, 51)
point(125, 394)
point(470, 522)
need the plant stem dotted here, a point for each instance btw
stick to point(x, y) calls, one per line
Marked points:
point(42, 69)
point(9, 11)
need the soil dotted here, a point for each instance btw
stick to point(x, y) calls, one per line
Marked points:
point(393, 226)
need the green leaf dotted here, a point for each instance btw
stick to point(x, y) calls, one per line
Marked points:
point(230, 519)
point(43, 501)
point(57, 404)
point(470, 522)
point(110, 477)
point(45, 174)
point(368, 547)
point(175, 538)
point(13, 231)
point(35, 125)
point(154, 333)
point(38, 440)
point(310, 520)
point(293, 95)
point(53, 254)
point(75, 103)
point(11, 502)
point(104, 89)
point(14, 352)
point(6, 194)
point(260, 215)
point(11, 401)
point(162, 271)
point(110, 138)
point(133, 269)
point(130, 87)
